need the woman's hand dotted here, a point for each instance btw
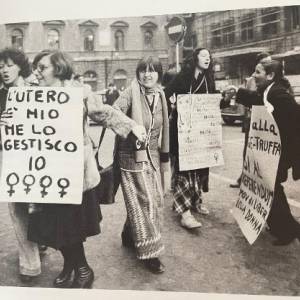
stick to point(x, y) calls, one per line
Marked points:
point(7, 114)
point(140, 133)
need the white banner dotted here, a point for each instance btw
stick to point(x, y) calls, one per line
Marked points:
point(43, 146)
point(259, 174)
point(199, 131)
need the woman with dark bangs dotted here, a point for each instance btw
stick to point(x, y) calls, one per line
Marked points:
point(141, 164)
point(196, 77)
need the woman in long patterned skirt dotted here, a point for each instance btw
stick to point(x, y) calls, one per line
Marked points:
point(141, 165)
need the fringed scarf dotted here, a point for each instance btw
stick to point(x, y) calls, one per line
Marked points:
point(136, 114)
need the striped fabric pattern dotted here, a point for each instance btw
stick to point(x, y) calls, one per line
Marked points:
point(144, 203)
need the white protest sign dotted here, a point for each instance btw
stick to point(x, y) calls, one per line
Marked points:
point(259, 174)
point(199, 131)
point(43, 146)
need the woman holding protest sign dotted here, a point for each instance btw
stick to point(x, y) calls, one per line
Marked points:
point(196, 77)
point(14, 69)
point(274, 91)
point(66, 226)
point(143, 165)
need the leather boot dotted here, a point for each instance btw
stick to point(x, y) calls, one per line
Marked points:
point(84, 278)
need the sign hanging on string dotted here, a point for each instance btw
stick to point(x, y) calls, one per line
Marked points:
point(259, 174)
point(199, 131)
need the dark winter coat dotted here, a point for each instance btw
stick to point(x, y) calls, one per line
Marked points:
point(287, 116)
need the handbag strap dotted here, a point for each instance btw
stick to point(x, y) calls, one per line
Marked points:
point(97, 153)
point(101, 138)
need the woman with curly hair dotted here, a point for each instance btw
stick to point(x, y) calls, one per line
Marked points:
point(14, 68)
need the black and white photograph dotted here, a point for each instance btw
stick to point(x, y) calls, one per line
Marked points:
point(149, 151)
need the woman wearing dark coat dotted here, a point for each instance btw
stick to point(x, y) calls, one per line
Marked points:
point(273, 89)
point(196, 77)
point(66, 226)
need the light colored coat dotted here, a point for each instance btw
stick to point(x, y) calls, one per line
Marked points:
point(105, 116)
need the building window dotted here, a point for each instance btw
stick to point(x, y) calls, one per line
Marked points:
point(228, 32)
point(89, 40)
point(292, 17)
point(216, 40)
point(53, 39)
point(194, 40)
point(247, 33)
point(148, 39)
point(119, 40)
point(17, 39)
point(270, 19)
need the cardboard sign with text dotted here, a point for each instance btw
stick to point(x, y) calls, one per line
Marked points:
point(199, 131)
point(259, 174)
point(43, 146)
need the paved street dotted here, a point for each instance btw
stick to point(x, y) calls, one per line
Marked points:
point(214, 259)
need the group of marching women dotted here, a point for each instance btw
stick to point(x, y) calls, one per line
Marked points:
point(144, 118)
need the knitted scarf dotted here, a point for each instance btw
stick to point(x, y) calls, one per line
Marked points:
point(137, 116)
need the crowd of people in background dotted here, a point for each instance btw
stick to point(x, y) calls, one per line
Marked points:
point(144, 118)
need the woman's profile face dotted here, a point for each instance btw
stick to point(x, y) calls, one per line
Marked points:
point(45, 72)
point(148, 78)
point(9, 72)
point(203, 59)
point(260, 76)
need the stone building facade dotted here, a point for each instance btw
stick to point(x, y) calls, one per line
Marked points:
point(235, 37)
point(104, 50)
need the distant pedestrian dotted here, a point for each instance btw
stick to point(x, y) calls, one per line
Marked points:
point(111, 94)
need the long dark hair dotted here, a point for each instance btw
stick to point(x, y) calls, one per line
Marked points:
point(190, 64)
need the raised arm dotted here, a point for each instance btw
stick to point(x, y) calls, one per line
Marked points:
point(108, 117)
point(248, 98)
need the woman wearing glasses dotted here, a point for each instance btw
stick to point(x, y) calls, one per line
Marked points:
point(65, 226)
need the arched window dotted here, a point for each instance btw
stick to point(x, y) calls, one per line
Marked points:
point(119, 40)
point(148, 39)
point(17, 39)
point(53, 39)
point(89, 40)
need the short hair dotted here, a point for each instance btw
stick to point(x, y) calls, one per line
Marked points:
point(111, 84)
point(261, 56)
point(61, 62)
point(273, 66)
point(77, 76)
point(19, 58)
point(153, 63)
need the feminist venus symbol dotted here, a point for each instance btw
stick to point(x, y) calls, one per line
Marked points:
point(11, 184)
point(44, 186)
point(28, 183)
point(63, 186)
